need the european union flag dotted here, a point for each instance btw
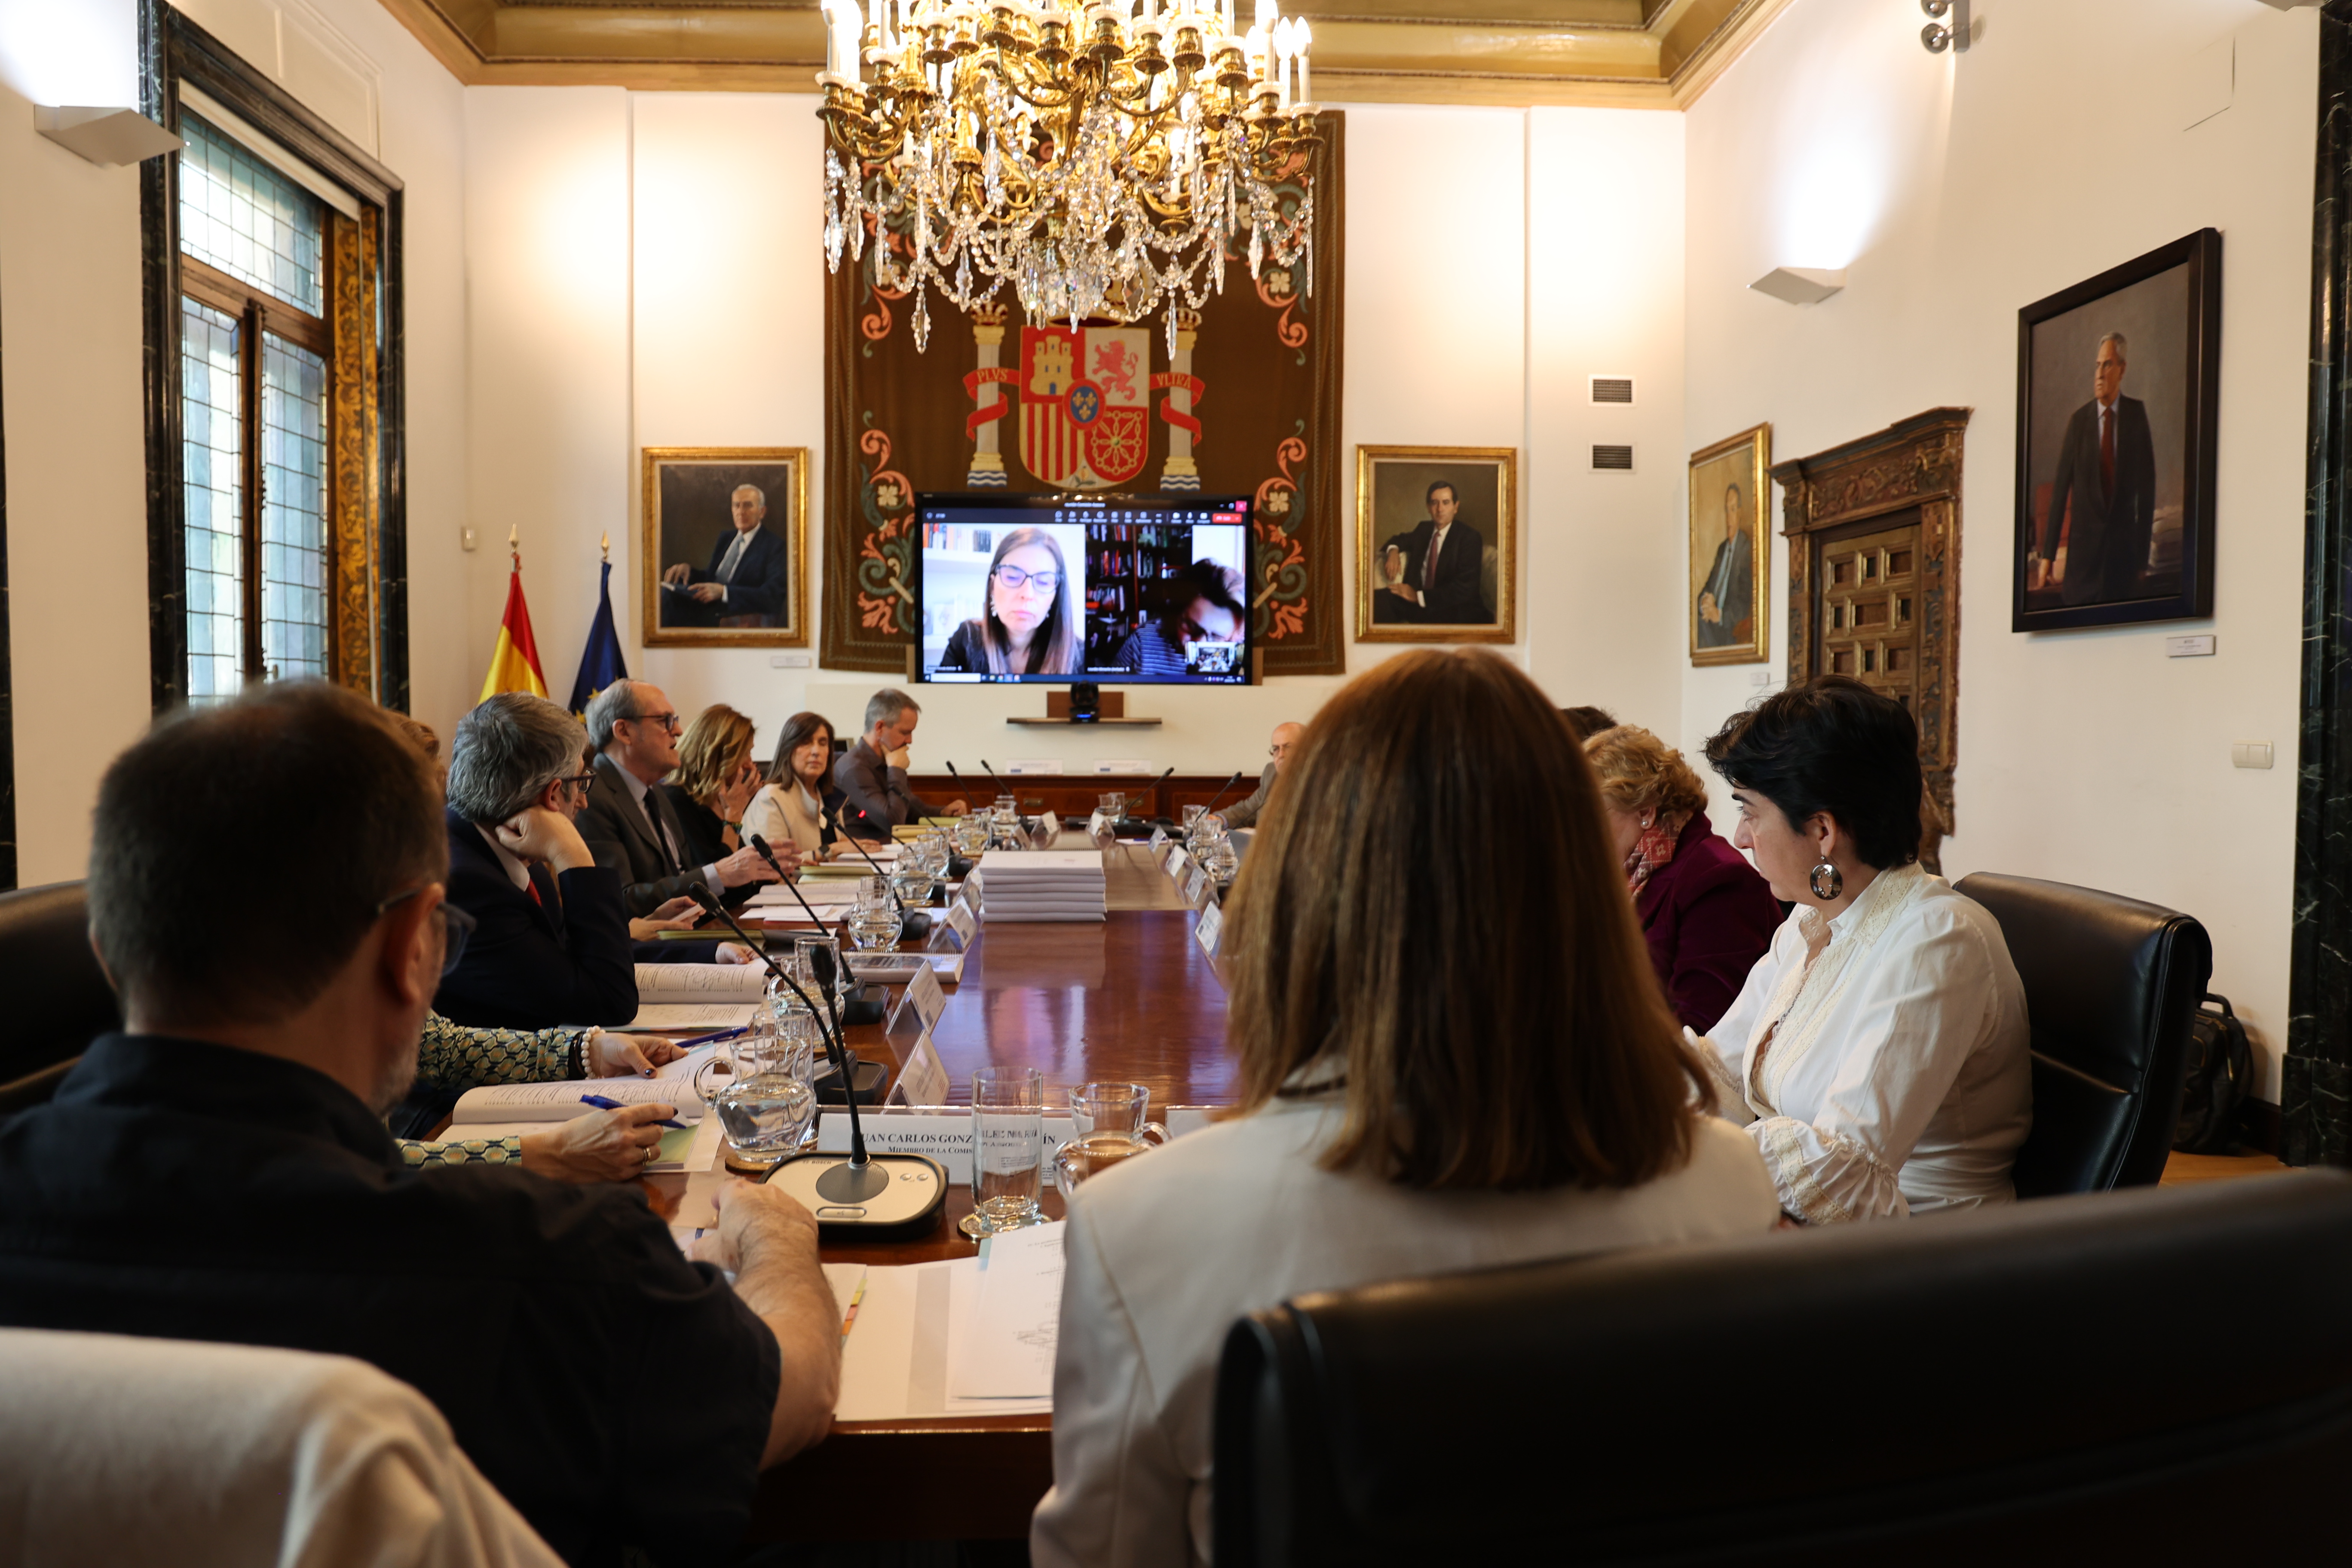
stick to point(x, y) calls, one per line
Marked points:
point(600, 662)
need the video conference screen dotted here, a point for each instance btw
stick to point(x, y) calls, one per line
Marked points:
point(1124, 589)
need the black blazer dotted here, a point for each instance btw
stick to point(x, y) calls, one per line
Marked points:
point(1454, 599)
point(704, 846)
point(565, 959)
point(2107, 547)
point(619, 836)
point(759, 585)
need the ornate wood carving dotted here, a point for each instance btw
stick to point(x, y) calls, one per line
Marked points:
point(1913, 464)
point(353, 498)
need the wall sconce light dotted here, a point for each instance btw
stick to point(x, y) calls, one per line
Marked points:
point(1801, 285)
point(107, 136)
point(1938, 35)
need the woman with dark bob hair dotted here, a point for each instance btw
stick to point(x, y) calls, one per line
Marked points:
point(1452, 1054)
point(1878, 1051)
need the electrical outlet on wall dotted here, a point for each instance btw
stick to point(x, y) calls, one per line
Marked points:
point(788, 661)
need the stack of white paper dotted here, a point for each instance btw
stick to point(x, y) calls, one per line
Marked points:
point(957, 1338)
point(1042, 885)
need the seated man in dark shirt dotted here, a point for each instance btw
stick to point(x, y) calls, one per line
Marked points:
point(218, 1170)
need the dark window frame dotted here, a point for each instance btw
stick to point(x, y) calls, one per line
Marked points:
point(173, 50)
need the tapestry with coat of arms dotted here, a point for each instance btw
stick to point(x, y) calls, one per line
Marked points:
point(1245, 401)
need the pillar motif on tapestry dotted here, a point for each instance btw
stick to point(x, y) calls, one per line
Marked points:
point(1241, 398)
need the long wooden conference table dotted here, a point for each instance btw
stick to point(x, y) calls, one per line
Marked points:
point(1132, 1000)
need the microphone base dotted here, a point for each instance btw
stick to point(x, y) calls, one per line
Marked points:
point(915, 926)
point(871, 1077)
point(868, 1004)
point(908, 1200)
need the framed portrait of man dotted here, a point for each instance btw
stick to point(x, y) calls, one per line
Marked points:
point(2118, 420)
point(1730, 551)
point(1437, 544)
point(724, 547)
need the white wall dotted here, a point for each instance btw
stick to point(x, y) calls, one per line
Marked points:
point(1958, 189)
point(724, 342)
point(73, 399)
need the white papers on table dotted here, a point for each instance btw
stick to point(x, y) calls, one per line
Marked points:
point(1006, 1349)
point(559, 1101)
point(700, 982)
point(1044, 885)
point(913, 1325)
point(661, 1017)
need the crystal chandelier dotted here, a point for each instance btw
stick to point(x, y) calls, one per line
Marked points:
point(1098, 160)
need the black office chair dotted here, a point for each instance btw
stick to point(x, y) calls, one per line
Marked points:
point(2111, 988)
point(59, 1000)
point(2049, 1382)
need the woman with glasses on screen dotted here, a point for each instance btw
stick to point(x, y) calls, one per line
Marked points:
point(1026, 627)
point(1203, 604)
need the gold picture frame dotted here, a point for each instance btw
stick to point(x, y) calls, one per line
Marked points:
point(690, 529)
point(1741, 463)
point(1396, 512)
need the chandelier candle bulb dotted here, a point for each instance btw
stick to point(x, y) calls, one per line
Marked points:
point(1298, 38)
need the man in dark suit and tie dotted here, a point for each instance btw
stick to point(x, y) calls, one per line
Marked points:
point(550, 943)
point(746, 575)
point(1726, 600)
point(630, 826)
point(1432, 573)
point(2106, 472)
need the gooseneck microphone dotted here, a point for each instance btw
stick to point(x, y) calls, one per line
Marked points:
point(857, 1180)
point(759, 845)
point(913, 924)
point(1220, 791)
point(1002, 788)
point(1153, 789)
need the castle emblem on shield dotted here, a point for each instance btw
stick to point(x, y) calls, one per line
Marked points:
point(1085, 404)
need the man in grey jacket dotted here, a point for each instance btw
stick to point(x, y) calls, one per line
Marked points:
point(1285, 738)
point(872, 774)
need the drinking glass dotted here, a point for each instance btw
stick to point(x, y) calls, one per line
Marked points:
point(802, 964)
point(1108, 1125)
point(1114, 806)
point(1008, 1150)
point(1223, 861)
point(911, 878)
point(972, 834)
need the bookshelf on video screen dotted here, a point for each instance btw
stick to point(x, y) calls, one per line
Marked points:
point(1056, 589)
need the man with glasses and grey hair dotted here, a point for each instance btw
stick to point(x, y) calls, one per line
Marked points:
point(551, 944)
point(872, 774)
point(630, 826)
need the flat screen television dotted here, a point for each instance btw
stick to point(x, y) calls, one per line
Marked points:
point(1058, 589)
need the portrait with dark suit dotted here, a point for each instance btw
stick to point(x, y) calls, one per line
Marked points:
point(2117, 426)
point(1730, 553)
point(723, 534)
point(1436, 544)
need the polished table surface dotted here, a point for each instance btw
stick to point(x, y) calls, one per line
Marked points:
point(1132, 1000)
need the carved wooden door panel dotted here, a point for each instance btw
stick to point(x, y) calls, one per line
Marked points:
point(1869, 613)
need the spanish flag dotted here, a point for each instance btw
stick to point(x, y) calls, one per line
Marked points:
point(514, 663)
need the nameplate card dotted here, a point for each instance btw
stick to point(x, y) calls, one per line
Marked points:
point(1159, 837)
point(1209, 928)
point(1194, 881)
point(1097, 825)
point(970, 896)
point(924, 1079)
point(941, 1133)
point(1174, 860)
point(961, 926)
point(920, 1005)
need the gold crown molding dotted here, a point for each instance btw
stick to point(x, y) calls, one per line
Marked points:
point(1650, 53)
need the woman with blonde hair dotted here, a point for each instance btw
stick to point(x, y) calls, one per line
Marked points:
point(713, 783)
point(1451, 1054)
point(1706, 914)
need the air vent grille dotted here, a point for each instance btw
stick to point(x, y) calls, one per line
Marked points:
point(1612, 459)
point(1613, 389)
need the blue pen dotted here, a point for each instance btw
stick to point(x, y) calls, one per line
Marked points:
point(706, 1039)
point(601, 1104)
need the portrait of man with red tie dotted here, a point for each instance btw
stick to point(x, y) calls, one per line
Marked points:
point(2116, 491)
point(1436, 543)
point(723, 533)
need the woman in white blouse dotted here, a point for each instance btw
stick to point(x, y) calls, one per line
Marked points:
point(1452, 1054)
point(796, 803)
point(1877, 1054)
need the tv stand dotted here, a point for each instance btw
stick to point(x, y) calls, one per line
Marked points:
point(1110, 708)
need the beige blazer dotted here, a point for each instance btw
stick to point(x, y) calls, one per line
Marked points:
point(779, 812)
point(1163, 1254)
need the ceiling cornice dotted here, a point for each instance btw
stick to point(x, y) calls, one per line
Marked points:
point(1621, 54)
